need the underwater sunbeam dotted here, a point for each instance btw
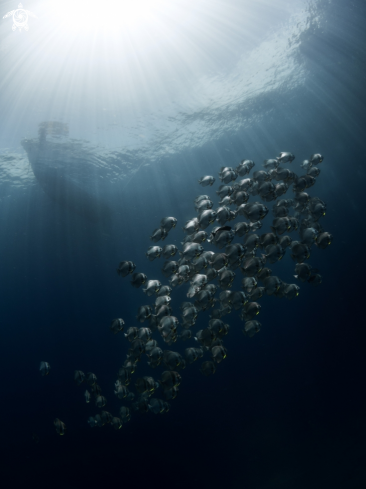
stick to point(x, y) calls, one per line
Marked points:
point(108, 15)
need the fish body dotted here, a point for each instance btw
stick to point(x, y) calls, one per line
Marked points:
point(274, 253)
point(146, 384)
point(249, 284)
point(280, 189)
point(143, 313)
point(79, 377)
point(266, 189)
point(303, 271)
point(60, 426)
point(267, 239)
point(207, 368)
point(138, 279)
point(313, 171)
point(152, 287)
point(191, 250)
point(155, 357)
point(245, 167)
point(251, 328)
point(251, 242)
point(223, 238)
point(154, 252)
point(158, 406)
point(323, 240)
point(100, 401)
point(185, 335)
point(252, 266)
point(285, 241)
point(240, 197)
point(116, 423)
point(121, 390)
point(163, 300)
point(299, 251)
point(124, 414)
point(291, 291)
point(199, 263)
point(271, 284)
point(211, 273)
point(200, 198)
point(125, 268)
point(225, 200)
point(316, 159)
point(226, 278)
point(193, 354)
point(144, 334)
point(236, 299)
point(264, 273)
point(207, 180)
point(306, 165)
point(219, 260)
point(256, 294)
point(222, 215)
point(164, 290)
point(191, 226)
point(243, 185)
point(44, 368)
point(241, 228)
point(158, 234)
point(203, 205)
point(261, 176)
point(176, 280)
point(117, 325)
point(205, 218)
point(255, 211)
point(228, 176)
point(169, 251)
point(91, 378)
point(271, 163)
point(280, 225)
point(315, 279)
point(170, 268)
point(170, 379)
point(250, 311)
point(167, 223)
point(218, 353)
point(224, 190)
point(285, 157)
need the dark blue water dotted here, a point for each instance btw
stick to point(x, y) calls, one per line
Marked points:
point(286, 409)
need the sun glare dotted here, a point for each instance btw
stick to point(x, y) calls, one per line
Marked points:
point(110, 15)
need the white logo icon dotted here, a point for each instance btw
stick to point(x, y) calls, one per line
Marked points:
point(20, 18)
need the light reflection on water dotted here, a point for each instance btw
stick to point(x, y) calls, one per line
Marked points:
point(230, 101)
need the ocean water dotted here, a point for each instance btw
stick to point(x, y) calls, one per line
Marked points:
point(147, 101)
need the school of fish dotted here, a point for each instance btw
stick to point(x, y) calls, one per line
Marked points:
point(197, 268)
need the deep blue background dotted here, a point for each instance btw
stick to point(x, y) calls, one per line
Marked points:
point(287, 408)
